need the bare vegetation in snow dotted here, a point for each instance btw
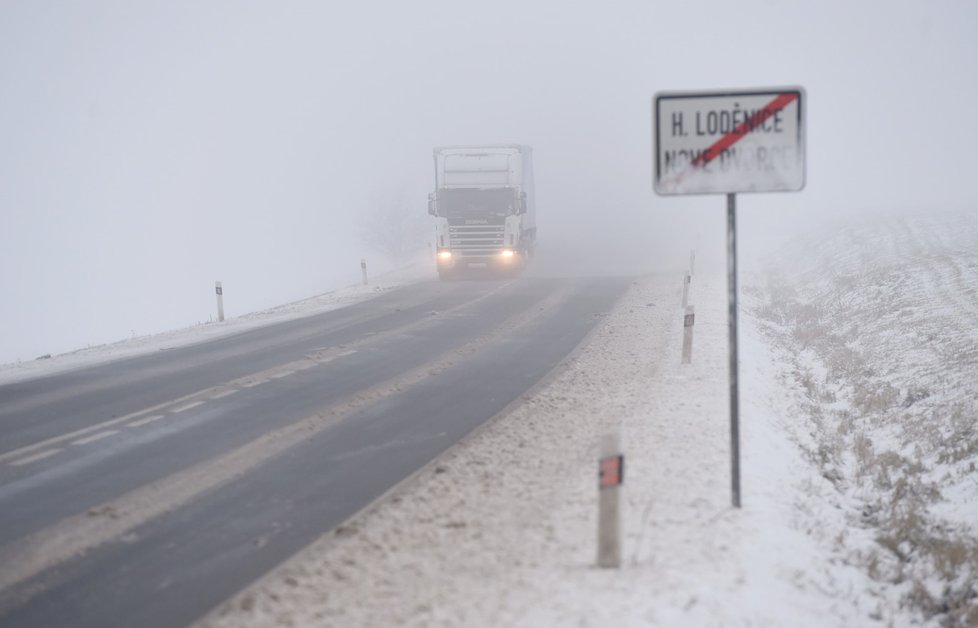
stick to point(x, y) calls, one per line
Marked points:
point(882, 324)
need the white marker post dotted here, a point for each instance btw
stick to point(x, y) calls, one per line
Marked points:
point(689, 317)
point(725, 142)
point(692, 262)
point(220, 301)
point(611, 475)
point(685, 290)
point(363, 269)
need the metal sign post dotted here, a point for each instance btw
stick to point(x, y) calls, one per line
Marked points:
point(732, 334)
point(726, 142)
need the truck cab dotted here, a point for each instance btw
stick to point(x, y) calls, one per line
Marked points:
point(483, 207)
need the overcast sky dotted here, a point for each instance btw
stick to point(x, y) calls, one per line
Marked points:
point(150, 148)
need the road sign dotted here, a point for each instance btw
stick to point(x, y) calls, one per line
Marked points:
point(725, 142)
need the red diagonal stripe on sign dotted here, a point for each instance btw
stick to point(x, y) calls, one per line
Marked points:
point(741, 130)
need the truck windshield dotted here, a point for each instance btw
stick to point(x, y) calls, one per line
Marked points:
point(476, 202)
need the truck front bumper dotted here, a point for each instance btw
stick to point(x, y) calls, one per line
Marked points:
point(505, 258)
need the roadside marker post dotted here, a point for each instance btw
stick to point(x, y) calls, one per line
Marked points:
point(219, 290)
point(689, 318)
point(686, 279)
point(729, 142)
point(611, 475)
point(363, 269)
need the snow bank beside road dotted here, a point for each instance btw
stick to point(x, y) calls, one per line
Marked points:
point(880, 325)
point(502, 529)
point(140, 345)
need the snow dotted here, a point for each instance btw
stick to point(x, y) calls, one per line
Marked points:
point(859, 449)
point(141, 345)
point(501, 530)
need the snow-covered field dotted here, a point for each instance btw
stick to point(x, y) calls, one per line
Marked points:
point(879, 324)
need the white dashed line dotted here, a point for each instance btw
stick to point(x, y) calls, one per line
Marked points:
point(186, 407)
point(38, 456)
point(225, 389)
point(95, 437)
point(147, 420)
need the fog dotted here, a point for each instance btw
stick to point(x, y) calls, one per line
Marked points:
point(148, 149)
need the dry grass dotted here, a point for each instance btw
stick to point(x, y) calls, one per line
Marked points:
point(852, 406)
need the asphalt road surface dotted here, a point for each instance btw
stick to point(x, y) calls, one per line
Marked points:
point(144, 492)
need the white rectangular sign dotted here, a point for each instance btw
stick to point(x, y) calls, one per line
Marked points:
point(725, 142)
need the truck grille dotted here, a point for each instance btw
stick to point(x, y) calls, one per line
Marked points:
point(477, 240)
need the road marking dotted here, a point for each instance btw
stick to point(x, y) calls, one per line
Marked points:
point(318, 358)
point(94, 437)
point(187, 406)
point(38, 456)
point(77, 534)
point(226, 393)
point(281, 375)
point(239, 382)
point(146, 421)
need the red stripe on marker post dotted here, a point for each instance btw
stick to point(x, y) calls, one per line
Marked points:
point(611, 471)
point(745, 127)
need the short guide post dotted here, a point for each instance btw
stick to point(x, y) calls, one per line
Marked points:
point(363, 268)
point(220, 301)
point(611, 475)
point(689, 318)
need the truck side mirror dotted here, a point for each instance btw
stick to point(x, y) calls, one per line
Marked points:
point(431, 204)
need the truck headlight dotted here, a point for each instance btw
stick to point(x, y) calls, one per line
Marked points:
point(444, 255)
point(507, 253)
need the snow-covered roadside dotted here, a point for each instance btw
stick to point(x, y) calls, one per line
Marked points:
point(17, 371)
point(878, 323)
point(501, 530)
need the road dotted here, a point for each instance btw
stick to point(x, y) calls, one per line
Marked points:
point(148, 490)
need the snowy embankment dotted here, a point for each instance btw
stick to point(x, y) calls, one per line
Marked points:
point(501, 530)
point(140, 345)
point(881, 325)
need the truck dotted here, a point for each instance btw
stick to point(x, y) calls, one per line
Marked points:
point(484, 208)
